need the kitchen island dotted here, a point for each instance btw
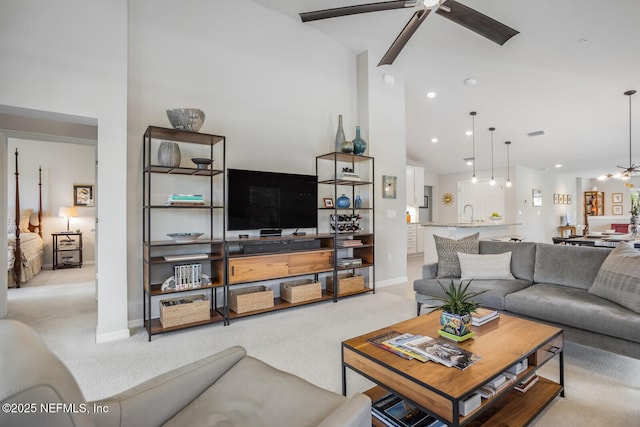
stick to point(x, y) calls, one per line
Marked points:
point(487, 230)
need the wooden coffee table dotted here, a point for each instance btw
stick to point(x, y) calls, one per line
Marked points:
point(439, 389)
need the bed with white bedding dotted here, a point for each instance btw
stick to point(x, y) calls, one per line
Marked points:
point(25, 253)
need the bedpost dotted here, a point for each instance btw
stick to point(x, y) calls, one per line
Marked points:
point(17, 264)
point(40, 201)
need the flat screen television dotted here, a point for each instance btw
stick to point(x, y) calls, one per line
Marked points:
point(260, 200)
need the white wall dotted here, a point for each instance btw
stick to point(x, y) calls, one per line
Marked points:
point(387, 144)
point(273, 86)
point(63, 165)
point(540, 224)
point(70, 56)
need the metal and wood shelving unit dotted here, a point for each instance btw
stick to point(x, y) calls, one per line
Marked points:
point(160, 256)
point(351, 223)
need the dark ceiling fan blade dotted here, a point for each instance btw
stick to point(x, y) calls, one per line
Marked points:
point(352, 10)
point(404, 37)
point(476, 22)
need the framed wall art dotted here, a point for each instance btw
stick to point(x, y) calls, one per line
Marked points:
point(617, 209)
point(616, 198)
point(328, 202)
point(536, 197)
point(389, 187)
point(82, 195)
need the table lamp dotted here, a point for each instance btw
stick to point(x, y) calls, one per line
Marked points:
point(68, 212)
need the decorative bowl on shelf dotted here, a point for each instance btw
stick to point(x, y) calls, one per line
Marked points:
point(189, 119)
point(495, 217)
point(201, 162)
point(184, 237)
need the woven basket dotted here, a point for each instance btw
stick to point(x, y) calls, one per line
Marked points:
point(346, 283)
point(187, 309)
point(252, 298)
point(300, 290)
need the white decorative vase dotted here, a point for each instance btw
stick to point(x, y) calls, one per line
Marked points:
point(169, 154)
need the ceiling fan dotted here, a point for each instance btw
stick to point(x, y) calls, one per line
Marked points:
point(450, 9)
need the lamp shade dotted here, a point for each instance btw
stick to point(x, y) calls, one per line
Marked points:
point(68, 211)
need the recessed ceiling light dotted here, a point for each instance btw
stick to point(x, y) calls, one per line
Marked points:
point(468, 133)
point(434, 139)
point(431, 94)
point(559, 165)
point(469, 160)
point(470, 81)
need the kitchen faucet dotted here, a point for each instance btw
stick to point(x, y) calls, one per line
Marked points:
point(464, 211)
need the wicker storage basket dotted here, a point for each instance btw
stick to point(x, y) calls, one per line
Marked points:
point(251, 298)
point(183, 310)
point(300, 290)
point(347, 282)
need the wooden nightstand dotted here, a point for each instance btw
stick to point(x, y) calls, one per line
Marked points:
point(67, 250)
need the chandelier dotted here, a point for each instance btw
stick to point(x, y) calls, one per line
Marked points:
point(626, 172)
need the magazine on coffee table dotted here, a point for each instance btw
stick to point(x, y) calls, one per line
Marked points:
point(443, 352)
point(394, 411)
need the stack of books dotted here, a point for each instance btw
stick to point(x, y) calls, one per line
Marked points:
point(349, 176)
point(526, 383)
point(394, 411)
point(349, 243)
point(184, 199)
point(496, 385)
point(349, 262)
point(483, 316)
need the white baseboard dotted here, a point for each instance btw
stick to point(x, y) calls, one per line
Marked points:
point(393, 281)
point(122, 334)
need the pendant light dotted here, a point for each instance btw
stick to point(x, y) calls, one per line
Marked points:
point(473, 142)
point(508, 183)
point(493, 180)
point(632, 169)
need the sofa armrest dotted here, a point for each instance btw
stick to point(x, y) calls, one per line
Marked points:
point(430, 271)
point(155, 401)
point(355, 412)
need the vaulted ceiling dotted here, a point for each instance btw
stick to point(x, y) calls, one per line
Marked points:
point(564, 74)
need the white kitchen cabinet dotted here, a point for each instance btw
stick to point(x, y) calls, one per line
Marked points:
point(415, 186)
point(412, 239)
point(420, 239)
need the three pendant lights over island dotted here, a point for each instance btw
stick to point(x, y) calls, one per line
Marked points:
point(474, 179)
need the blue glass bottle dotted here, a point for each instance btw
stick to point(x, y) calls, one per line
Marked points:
point(359, 144)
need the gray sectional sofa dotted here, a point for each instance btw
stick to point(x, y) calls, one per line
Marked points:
point(550, 285)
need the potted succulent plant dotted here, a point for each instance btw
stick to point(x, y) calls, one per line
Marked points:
point(457, 306)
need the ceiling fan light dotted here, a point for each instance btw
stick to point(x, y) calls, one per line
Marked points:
point(474, 179)
point(508, 184)
point(617, 175)
point(492, 182)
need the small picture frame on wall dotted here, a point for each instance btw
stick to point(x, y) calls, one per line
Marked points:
point(568, 199)
point(556, 198)
point(82, 195)
point(616, 198)
point(616, 209)
point(389, 187)
point(328, 202)
point(564, 199)
point(536, 196)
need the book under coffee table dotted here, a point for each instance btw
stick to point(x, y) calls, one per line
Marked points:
point(439, 389)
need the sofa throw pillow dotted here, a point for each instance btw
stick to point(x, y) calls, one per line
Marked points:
point(447, 250)
point(618, 279)
point(485, 266)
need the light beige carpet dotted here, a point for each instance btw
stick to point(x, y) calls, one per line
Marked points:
point(602, 389)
